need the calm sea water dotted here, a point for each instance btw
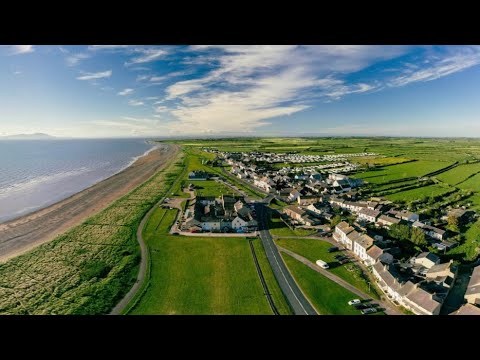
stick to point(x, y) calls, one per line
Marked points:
point(35, 174)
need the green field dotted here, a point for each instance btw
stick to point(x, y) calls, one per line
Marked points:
point(212, 188)
point(395, 172)
point(194, 275)
point(328, 297)
point(472, 183)
point(314, 249)
point(419, 193)
point(459, 174)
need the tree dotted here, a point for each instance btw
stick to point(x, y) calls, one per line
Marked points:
point(453, 222)
point(417, 236)
point(335, 220)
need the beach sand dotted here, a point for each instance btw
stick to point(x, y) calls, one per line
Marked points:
point(24, 233)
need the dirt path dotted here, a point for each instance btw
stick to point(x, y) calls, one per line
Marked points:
point(24, 233)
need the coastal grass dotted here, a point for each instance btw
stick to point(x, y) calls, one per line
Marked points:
point(277, 294)
point(314, 249)
point(328, 297)
point(200, 275)
point(90, 268)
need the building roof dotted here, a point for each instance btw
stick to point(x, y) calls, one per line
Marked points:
point(374, 252)
point(389, 219)
point(432, 257)
point(434, 229)
point(418, 224)
point(296, 209)
point(344, 227)
point(439, 268)
point(354, 236)
point(475, 278)
point(406, 288)
point(365, 241)
point(423, 299)
point(370, 212)
point(467, 309)
point(387, 277)
point(457, 212)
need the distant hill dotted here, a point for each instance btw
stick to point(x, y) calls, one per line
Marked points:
point(36, 136)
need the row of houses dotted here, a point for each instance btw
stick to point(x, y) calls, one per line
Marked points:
point(422, 290)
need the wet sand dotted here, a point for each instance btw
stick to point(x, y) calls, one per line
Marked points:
point(24, 233)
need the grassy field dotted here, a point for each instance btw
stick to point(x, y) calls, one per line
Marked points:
point(313, 250)
point(419, 193)
point(459, 174)
point(328, 297)
point(88, 269)
point(395, 172)
point(472, 183)
point(194, 275)
point(277, 295)
point(212, 188)
point(279, 228)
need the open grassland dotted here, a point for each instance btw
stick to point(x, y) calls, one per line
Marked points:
point(279, 228)
point(380, 161)
point(195, 275)
point(328, 297)
point(314, 249)
point(402, 171)
point(459, 174)
point(420, 193)
point(91, 267)
point(212, 188)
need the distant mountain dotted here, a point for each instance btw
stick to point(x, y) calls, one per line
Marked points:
point(36, 136)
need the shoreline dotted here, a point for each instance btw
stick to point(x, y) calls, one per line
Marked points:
point(33, 209)
point(25, 232)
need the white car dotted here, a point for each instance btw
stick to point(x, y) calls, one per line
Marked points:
point(354, 302)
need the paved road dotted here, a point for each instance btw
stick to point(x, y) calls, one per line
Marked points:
point(388, 310)
point(297, 300)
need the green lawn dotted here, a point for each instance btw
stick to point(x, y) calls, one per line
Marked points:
point(277, 295)
point(313, 250)
point(279, 228)
point(419, 193)
point(195, 275)
point(395, 172)
point(211, 188)
point(328, 297)
point(459, 174)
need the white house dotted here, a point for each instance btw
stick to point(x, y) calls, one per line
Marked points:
point(341, 232)
point(361, 245)
point(239, 223)
point(369, 215)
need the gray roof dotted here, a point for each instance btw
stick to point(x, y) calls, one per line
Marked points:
point(387, 276)
point(375, 252)
point(370, 212)
point(389, 219)
point(439, 268)
point(423, 299)
point(432, 257)
point(344, 227)
point(467, 309)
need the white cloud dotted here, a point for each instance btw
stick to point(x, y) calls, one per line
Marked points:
point(125, 92)
point(17, 73)
point(74, 59)
point(135, 103)
point(21, 49)
point(252, 84)
point(95, 76)
point(107, 47)
point(147, 55)
point(438, 68)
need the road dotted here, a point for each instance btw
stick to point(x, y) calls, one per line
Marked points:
point(297, 300)
point(388, 309)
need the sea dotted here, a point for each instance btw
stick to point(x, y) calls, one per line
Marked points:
point(37, 173)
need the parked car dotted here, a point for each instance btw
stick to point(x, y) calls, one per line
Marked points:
point(354, 302)
point(339, 257)
point(369, 310)
point(333, 249)
point(344, 261)
point(360, 306)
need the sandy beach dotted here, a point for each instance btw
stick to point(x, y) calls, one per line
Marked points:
point(24, 233)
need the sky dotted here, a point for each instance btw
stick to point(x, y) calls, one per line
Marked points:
point(204, 90)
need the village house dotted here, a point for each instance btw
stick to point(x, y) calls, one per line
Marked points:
point(442, 274)
point(369, 215)
point(405, 215)
point(341, 231)
point(375, 254)
point(294, 212)
point(427, 259)
point(385, 220)
point(360, 247)
point(431, 231)
point(472, 295)
point(467, 309)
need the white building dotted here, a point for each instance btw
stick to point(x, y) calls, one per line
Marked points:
point(369, 215)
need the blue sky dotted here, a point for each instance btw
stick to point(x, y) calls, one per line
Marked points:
point(123, 91)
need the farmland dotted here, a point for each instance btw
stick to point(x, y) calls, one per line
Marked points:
point(89, 268)
point(459, 174)
point(420, 193)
